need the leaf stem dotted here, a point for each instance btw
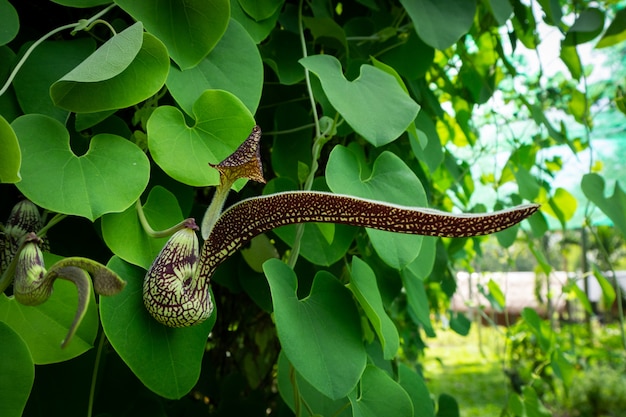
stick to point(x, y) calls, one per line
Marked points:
point(29, 51)
point(56, 219)
point(157, 233)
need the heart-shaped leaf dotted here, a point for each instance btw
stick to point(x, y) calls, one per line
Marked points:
point(320, 334)
point(258, 30)
point(44, 327)
point(363, 286)
point(108, 178)
point(440, 23)
point(48, 62)
point(374, 104)
point(17, 370)
point(167, 360)
point(233, 65)
point(118, 84)
point(190, 28)
point(222, 123)
point(376, 384)
point(11, 156)
point(614, 207)
point(126, 237)
point(392, 181)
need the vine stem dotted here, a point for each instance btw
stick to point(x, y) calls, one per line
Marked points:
point(318, 143)
point(29, 51)
point(94, 375)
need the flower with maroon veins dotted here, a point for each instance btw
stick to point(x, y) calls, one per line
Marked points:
point(180, 297)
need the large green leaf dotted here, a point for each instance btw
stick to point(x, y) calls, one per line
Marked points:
point(440, 23)
point(380, 396)
point(319, 403)
point(17, 370)
point(321, 334)
point(45, 326)
point(11, 156)
point(189, 28)
point(233, 65)
point(48, 62)
point(126, 237)
point(106, 81)
point(222, 123)
point(391, 180)
point(614, 207)
point(9, 22)
point(374, 104)
point(167, 360)
point(108, 178)
point(363, 286)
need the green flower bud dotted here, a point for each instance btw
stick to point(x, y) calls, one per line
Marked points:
point(30, 286)
point(171, 291)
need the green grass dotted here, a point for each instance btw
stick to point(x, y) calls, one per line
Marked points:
point(474, 376)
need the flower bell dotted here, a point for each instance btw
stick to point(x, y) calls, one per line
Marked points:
point(171, 292)
point(30, 286)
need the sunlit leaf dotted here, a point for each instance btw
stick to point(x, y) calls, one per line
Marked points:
point(222, 123)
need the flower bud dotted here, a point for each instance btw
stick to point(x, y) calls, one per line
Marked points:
point(29, 286)
point(171, 291)
point(24, 218)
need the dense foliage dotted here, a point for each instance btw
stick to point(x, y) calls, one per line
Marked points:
point(106, 104)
